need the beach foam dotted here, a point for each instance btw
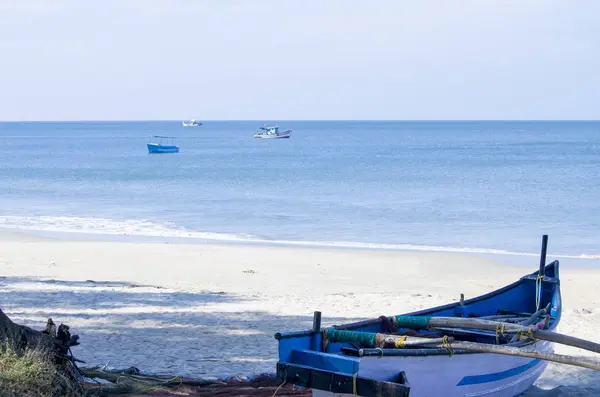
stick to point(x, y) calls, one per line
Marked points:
point(147, 228)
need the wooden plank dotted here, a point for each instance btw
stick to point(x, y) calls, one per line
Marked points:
point(336, 382)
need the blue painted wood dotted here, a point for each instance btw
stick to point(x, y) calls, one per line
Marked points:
point(329, 362)
point(476, 379)
point(156, 148)
point(162, 144)
point(520, 297)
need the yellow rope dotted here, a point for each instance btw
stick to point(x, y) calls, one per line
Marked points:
point(538, 282)
point(400, 341)
point(446, 345)
point(325, 341)
point(381, 350)
point(354, 383)
point(499, 331)
point(527, 334)
point(279, 387)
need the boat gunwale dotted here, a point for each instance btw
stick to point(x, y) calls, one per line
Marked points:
point(491, 294)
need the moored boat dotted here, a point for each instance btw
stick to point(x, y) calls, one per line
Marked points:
point(191, 123)
point(416, 355)
point(162, 144)
point(272, 132)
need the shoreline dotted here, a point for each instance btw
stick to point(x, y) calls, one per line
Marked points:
point(514, 258)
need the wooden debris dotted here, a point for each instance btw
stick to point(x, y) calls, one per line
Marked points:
point(131, 384)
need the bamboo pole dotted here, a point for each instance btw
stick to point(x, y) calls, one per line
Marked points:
point(534, 317)
point(500, 327)
point(383, 340)
point(372, 339)
point(515, 351)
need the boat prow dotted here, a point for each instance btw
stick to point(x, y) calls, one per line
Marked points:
point(347, 360)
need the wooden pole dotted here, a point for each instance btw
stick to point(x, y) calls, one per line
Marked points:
point(534, 317)
point(384, 340)
point(316, 322)
point(539, 288)
point(516, 351)
point(316, 340)
point(543, 254)
point(499, 327)
point(372, 339)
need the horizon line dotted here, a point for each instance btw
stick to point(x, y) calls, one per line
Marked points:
point(296, 120)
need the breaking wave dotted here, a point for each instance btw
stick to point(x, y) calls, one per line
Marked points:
point(146, 228)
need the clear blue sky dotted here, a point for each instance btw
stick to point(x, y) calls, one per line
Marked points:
point(302, 59)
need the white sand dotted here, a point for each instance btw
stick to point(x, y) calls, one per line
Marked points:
point(210, 310)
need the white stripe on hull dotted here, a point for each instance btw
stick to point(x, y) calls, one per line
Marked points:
point(462, 375)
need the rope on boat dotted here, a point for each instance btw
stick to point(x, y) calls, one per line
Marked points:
point(381, 350)
point(324, 340)
point(279, 387)
point(538, 290)
point(446, 345)
point(527, 334)
point(354, 383)
point(400, 342)
point(499, 331)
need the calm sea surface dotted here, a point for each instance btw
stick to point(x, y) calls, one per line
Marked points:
point(465, 186)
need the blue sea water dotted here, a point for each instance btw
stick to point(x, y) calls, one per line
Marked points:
point(464, 186)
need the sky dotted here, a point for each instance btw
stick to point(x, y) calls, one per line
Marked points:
point(299, 59)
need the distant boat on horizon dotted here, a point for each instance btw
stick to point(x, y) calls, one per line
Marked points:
point(191, 123)
point(272, 132)
point(162, 144)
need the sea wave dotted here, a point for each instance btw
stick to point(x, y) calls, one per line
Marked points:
point(146, 228)
point(143, 228)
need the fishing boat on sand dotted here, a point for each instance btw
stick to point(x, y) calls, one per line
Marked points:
point(272, 132)
point(191, 123)
point(496, 344)
point(162, 144)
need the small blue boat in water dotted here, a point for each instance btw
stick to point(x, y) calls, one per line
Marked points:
point(162, 144)
point(416, 355)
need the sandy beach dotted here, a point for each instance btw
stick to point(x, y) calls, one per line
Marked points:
point(211, 310)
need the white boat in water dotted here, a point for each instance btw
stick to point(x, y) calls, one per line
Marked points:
point(272, 132)
point(191, 123)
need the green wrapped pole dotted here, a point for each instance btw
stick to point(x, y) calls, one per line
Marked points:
point(366, 339)
point(412, 322)
point(372, 339)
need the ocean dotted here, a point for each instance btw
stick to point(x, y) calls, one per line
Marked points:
point(483, 187)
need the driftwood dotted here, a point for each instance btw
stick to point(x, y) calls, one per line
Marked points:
point(52, 342)
point(56, 341)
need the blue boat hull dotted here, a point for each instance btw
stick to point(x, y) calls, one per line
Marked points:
point(156, 148)
point(328, 366)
